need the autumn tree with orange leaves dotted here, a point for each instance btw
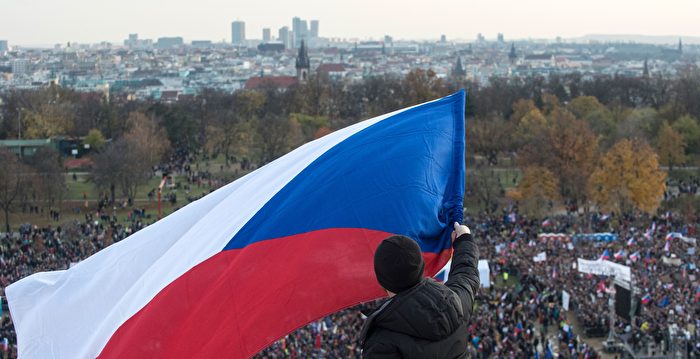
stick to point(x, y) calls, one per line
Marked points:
point(565, 146)
point(670, 146)
point(536, 190)
point(628, 178)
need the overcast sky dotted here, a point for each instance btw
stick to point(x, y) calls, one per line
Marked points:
point(34, 22)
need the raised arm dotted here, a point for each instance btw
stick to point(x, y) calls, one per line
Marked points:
point(464, 273)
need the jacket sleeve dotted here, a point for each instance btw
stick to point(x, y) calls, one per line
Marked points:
point(380, 350)
point(464, 274)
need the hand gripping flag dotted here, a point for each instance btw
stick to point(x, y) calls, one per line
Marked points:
point(238, 269)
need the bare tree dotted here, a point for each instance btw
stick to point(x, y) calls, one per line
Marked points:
point(11, 183)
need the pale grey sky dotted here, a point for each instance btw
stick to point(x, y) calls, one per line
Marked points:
point(32, 22)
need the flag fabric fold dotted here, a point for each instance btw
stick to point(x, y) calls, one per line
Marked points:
point(238, 269)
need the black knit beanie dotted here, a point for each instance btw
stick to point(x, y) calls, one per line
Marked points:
point(398, 263)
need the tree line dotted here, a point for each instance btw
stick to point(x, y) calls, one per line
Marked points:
point(562, 126)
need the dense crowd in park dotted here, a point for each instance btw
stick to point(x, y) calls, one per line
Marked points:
point(522, 320)
point(515, 318)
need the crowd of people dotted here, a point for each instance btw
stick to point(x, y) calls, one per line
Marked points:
point(523, 317)
point(527, 319)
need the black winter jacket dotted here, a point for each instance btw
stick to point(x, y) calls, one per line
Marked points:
point(429, 320)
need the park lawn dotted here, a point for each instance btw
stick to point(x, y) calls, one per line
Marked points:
point(73, 206)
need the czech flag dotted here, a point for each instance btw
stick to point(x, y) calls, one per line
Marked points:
point(605, 255)
point(646, 299)
point(620, 254)
point(231, 273)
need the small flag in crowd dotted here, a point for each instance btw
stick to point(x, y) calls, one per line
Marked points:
point(554, 272)
point(664, 302)
point(667, 247)
point(630, 242)
point(620, 254)
point(605, 255)
point(5, 344)
point(634, 256)
point(646, 299)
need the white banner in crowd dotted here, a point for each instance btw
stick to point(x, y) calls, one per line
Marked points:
point(484, 273)
point(540, 257)
point(565, 297)
point(673, 261)
point(603, 267)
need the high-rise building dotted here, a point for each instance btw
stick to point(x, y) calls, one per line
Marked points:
point(304, 29)
point(238, 33)
point(314, 29)
point(285, 37)
point(4, 46)
point(300, 28)
point(132, 41)
point(443, 38)
point(500, 38)
point(266, 34)
point(296, 26)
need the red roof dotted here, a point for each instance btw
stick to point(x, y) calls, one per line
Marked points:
point(168, 95)
point(270, 82)
point(73, 163)
point(331, 68)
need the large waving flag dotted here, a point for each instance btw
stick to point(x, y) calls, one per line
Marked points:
point(236, 270)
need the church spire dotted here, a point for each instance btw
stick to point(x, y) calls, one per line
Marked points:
point(512, 56)
point(458, 70)
point(303, 64)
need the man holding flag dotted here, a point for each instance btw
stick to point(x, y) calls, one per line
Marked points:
point(422, 318)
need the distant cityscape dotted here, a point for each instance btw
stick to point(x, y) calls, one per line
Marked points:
point(168, 68)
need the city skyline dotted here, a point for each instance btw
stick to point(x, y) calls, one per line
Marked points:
point(67, 20)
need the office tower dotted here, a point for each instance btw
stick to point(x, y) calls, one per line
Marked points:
point(266, 34)
point(4, 46)
point(500, 38)
point(300, 29)
point(238, 33)
point(388, 39)
point(283, 35)
point(132, 41)
point(296, 26)
point(314, 29)
point(443, 38)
